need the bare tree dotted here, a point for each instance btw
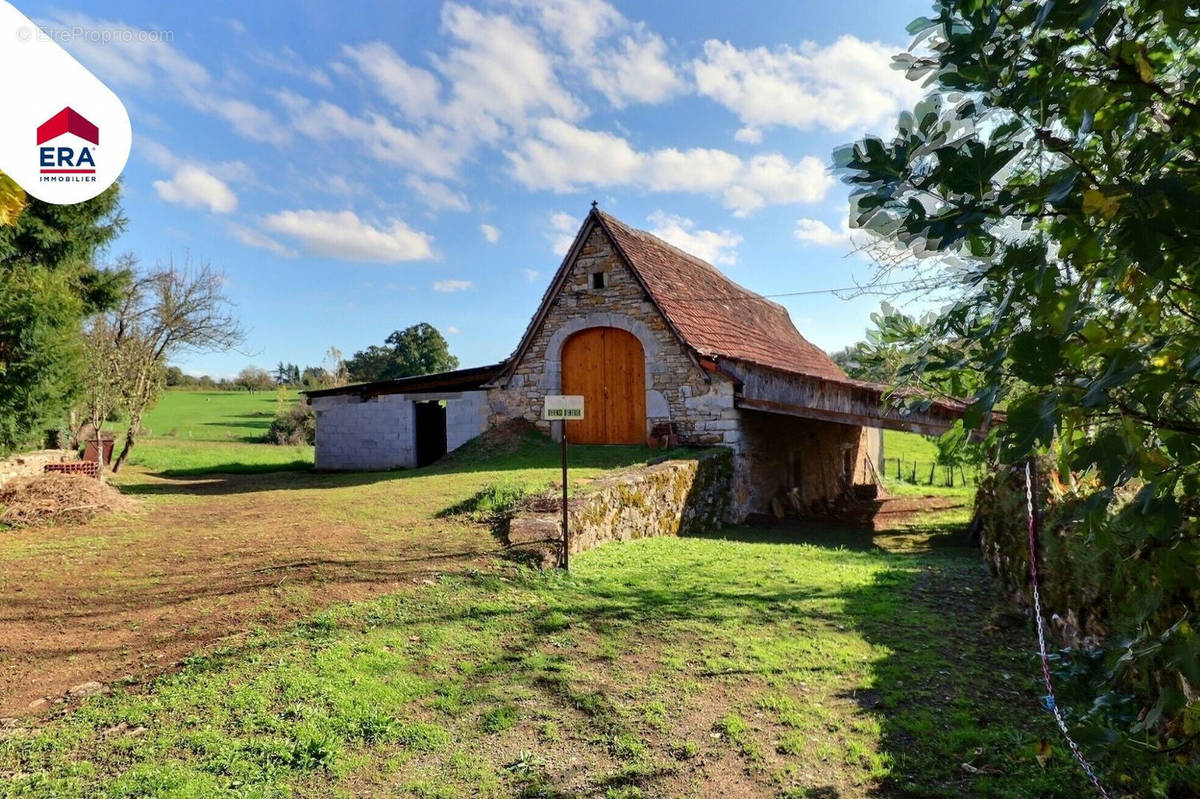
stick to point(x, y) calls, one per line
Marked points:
point(253, 378)
point(168, 310)
point(335, 368)
point(101, 382)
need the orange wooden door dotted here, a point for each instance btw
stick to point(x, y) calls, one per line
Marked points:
point(607, 367)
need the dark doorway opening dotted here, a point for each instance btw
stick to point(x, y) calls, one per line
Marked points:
point(431, 431)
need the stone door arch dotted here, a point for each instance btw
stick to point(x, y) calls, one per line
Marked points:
point(607, 366)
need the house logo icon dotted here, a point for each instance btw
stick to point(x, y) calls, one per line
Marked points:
point(66, 144)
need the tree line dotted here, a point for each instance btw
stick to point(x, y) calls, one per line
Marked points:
point(416, 350)
point(84, 341)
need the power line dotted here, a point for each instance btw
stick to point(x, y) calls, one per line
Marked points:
point(912, 285)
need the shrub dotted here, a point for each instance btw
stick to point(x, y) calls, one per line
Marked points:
point(294, 425)
point(1099, 595)
point(493, 503)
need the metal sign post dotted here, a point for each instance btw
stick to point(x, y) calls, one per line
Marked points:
point(562, 407)
point(566, 559)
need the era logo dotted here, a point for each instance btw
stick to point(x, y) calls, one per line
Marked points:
point(61, 159)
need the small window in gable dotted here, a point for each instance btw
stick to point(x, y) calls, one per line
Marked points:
point(597, 280)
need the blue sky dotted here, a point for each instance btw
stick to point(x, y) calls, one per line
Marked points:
point(358, 167)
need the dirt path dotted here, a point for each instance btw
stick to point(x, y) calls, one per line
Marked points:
point(205, 561)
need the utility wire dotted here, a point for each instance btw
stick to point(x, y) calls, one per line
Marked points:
point(912, 285)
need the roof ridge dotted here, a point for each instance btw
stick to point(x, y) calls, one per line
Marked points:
point(697, 260)
point(714, 315)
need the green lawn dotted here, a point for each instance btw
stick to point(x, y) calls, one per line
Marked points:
point(215, 415)
point(663, 667)
point(193, 432)
point(792, 662)
point(915, 449)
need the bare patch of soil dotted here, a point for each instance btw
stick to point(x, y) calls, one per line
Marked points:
point(126, 598)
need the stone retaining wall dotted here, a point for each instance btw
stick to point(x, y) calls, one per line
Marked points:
point(674, 497)
point(28, 464)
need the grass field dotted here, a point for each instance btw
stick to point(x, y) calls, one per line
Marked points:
point(193, 432)
point(216, 415)
point(912, 448)
point(342, 635)
point(745, 664)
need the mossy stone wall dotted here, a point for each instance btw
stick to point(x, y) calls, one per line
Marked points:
point(675, 497)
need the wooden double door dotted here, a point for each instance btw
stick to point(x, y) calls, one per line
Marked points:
point(607, 366)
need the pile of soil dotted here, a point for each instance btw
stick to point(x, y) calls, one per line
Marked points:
point(58, 498)
point(502, 439)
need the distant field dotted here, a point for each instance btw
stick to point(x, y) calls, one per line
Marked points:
point(190, 432)
point(908, 446)
point(912, 448)
point(214, 415)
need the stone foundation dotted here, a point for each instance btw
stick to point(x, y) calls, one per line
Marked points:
point(28, 464)
point(675, 497)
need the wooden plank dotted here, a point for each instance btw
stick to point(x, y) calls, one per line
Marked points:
point(582, 373)
point(889, 422)
point(608, 367)
point(625, 384)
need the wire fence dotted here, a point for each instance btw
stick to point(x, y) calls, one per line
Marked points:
point(927, 473)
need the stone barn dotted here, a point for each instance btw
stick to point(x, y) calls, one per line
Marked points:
point(665, 349)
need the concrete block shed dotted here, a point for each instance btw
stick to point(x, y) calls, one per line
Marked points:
point(403, 423)
point(665, 349)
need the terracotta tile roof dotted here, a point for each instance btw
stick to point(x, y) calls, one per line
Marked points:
point(713, 315)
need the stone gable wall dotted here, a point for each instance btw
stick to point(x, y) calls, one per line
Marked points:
point(676, 388)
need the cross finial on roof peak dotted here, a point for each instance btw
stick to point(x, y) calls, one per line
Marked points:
point(594, 204)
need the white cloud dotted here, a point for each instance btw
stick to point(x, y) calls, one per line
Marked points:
point(576, 24)
point(452, 330)
point(623, 60)
point(144, 59)
point(714, 246)
point(341, 234)
point(490, 232)
point(430, 151)
point(411, 89)
point(774, 180)
point(564, 228)
point(193, 187)
point(562, 158)
point(254, 238)
point(814, 231)
point(636, 72)
point(748, 135)
point(247, 119)
point(450, 286)
point(531, 274)
point(288, 62)
point(500, 75)
point(132, 56)
point(438, 196)
point(848, 85)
